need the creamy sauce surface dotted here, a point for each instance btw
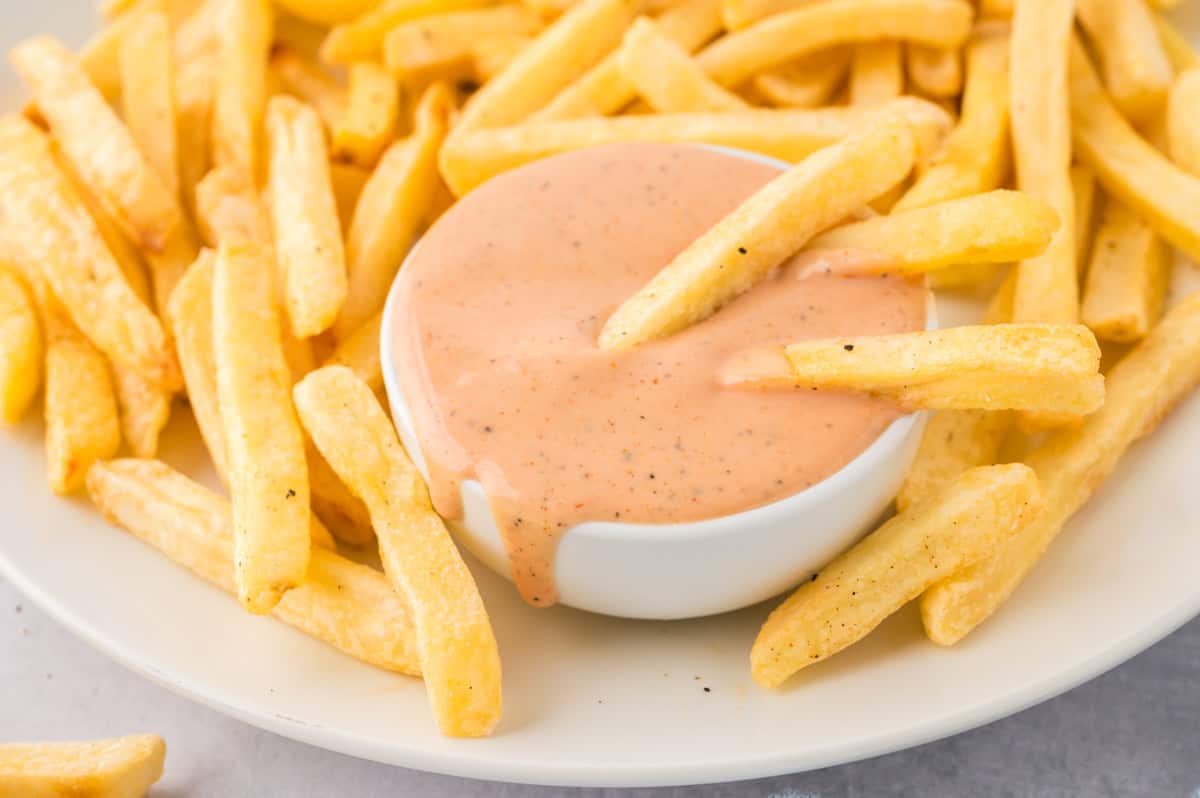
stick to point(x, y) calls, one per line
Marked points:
point(495, 335)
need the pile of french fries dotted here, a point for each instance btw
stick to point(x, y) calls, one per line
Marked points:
point(210, 200)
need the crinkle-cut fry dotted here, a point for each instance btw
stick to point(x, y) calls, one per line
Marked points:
point(1127, 278)
point(194, 90)
point(1127, 166)
point(603, 89)
point(1047, 285)
point(967, 521)
point(390, 210)
point(996, 227)
point(1033, 367)
point(808, 82)
point(563, 52)
point(351, 607)
point(1179, 50)
point(21, 348)
point(762, 232)
point(1072, 464)
point(359, 352)
point(44, 219)
point(1136, 69)
point(361, 39)
point(96, 142)
point(666, 77)
point(876, 73)
point(493, 54)
point(458, 653)
point(1183, 121)
point(368, 123)
point(100, 57)
point(1083, 187)
point(469, 159)
point(935, 71)
point(148, 95)
point(239, 103)
point(122, 767)
point(348, 183)
point(304, 78)
point(976, 156)
point(778, 39)
point(308, 239)
point(264, 448)
point(82, 424)
point(421, 51)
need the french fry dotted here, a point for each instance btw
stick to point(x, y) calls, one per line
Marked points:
point(264, 449)
point(93, 139)
point(334, 504)
point(996, 227)
point(46, 222)
point(329, 12)
point(976, 155)
point(304, 78)
point(1183, 121)
point(1179, 50)
point(778, 39)
point(1127, 279)
point(390, 210)
point(953, 442)
point(964, 523)
point(603, 89)
point(21, 349)
point(996, 9)
point(100, 58)
point(666, 77)
point(1127, 166)
point(767, 228)
point(361, 39)
point(737, 14)
point(123, 767)
point(459, 658)
point(82, 424)
point(368, 123)
point(240, 100)
point(548, 9)
point(194, 89)
point(359, 352)
point(809, 82)
point(493, 54)
point(1071, 465)
point(936, 72)
point(144, 411)
point(348, 183)
point(1083, 187)
point(228, 208)
point(427, 49)
point(469, 159)
point(1043, 368)
point(1047, 285)
point(1136, 69)
point(148, 95)
point(876, 73)
point(574, 43)
point(300, 35)
point(351, 607)
point(195, 36)
point(308, 240)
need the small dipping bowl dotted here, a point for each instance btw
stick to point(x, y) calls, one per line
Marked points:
point(688, 570)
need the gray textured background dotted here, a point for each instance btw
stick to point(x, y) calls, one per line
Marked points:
point(1133, 732)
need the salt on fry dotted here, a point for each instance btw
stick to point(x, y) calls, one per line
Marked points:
point(368, 122)
point(117, 768)
point(1127, 278)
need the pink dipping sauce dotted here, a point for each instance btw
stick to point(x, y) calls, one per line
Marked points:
point(495, 333)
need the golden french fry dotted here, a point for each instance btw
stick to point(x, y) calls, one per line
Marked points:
point(21, 349)
point(574, 43)
point(334, 504)
point(936, 72)
point(603, 89)
point(359, 352)
point(94, 140)
point(1183, 121)
point(194, 88)
point(964, 523)
point(876, 73)
point(368, 123)
point(361, 39)
point(195, 35)
point(1083, 186)
point(996, 227)
point(996, 9)
point(458, 653)
point(308, 240)
point(302, 77)
point(390, 210)
point(123, 767)
point(1034, 367)
point(1127, 166)
point(268, 475)
point(82, 424)
point(100, 58)
point(1179, 50)
point(778, 39)
point(976, 155)
point(767, 228)
point(953, 442)
point(469, 159)
point(348, 183)
point(737, 14)
point(299, 35)
point(351, 607)
point(666, 77)
point(329, 12)
point(424, 50)
point(548, 9)
point(809, 82)
point(1127, 279)
point(144, 411)
point(1071, 465)
point(493, 54)
point(228, 208)
point(148, 95)
point(239, 103)
point(1136, 69)
point(1047, 285)
point(44, 219)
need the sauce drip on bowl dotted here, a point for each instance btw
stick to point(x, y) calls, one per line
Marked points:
point(495, 327)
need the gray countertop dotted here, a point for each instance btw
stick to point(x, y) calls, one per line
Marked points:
point(1134, 731)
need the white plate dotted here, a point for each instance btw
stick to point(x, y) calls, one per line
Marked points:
point(601, 702)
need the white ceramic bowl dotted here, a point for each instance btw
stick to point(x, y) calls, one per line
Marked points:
point(689, 570)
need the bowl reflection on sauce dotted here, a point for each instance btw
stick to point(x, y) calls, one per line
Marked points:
point(693, 568)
